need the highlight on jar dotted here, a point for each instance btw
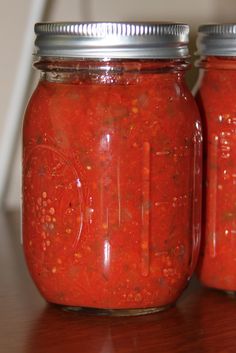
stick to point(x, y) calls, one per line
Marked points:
point(112, 152)
point(216, 99)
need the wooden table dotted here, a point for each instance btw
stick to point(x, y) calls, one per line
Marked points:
point(202, 321)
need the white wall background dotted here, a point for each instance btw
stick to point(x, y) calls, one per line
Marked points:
point(13, 18)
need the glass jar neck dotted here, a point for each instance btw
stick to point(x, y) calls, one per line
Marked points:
point(217, 62)
point(108, 71)
point(111, 66)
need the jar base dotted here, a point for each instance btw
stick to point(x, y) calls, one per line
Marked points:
point(114, 312)
point(230, 293)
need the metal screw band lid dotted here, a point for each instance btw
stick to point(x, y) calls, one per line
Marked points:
point(217, 40)
point(112, 40)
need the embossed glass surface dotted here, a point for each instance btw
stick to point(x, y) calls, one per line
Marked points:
point(217, 100)
point(112, 183)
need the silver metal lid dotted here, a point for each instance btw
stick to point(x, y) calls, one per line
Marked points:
point(112, 40)
point(217, 40)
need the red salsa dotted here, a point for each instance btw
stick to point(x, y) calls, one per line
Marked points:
point(217, 101)
point(111, 182)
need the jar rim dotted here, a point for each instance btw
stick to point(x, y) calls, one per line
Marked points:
point(217, 39)
point(114, 40)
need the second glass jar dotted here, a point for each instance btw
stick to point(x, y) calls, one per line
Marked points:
point(216, 96)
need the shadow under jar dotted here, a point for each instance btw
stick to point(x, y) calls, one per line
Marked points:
point(216, 96)
point(112, 167)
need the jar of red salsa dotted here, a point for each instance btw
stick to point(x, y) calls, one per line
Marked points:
point(216, 97)
point(111, 167)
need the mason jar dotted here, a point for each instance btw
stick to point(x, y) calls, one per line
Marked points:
point(111, 167)
point(216, 97)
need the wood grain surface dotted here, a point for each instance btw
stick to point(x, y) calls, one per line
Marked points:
point(202, 321)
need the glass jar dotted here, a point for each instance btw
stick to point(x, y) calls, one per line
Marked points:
point(112, 167)
point(216, 97)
